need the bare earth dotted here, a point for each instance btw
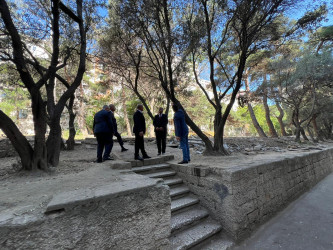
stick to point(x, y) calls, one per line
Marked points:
point(77, 168)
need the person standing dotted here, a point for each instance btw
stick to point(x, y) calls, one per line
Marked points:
point(139, 130)
point(160, 123)
point(103, 130)
point(181, 131)
point(115, 129)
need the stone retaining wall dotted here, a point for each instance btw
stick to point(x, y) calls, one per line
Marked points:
point(243, 197)
point(129, 215)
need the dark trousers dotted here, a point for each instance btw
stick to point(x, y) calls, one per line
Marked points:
point(139, 145)
point(161, 141)
point(119, 139)
point(104, 140)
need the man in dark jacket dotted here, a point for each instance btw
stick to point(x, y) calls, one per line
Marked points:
point(160, 123)
point(115, 129)
point(181, 131)
point(139, 130)
point(103, 130)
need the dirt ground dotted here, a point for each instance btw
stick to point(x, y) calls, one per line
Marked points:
point(84, 155)
point(26, 193)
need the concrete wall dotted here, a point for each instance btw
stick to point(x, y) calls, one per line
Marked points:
point(130, 215)
point(243, 197)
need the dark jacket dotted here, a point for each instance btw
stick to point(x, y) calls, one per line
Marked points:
point(139, 122)
point(181, 128)
point(114, 122)
point(161, 122)
point(103, 122)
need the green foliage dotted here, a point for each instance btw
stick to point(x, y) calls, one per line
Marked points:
point(14, 100)
point(242, 116)
point(199, 109)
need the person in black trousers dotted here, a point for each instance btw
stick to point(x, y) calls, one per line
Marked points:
point(160, 123)
point(115, 129)
point(103, 130)
point(139, 130)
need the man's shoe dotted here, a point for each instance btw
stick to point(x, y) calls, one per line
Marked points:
point(98, 161)
point(146, 157)
point(163, 153)
point(159, 154)
point(183, 162)
point(110, 158)
point(139, 158)
point(123, 149)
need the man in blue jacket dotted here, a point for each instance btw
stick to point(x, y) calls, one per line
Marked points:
point(103, 130)
point(181, 131)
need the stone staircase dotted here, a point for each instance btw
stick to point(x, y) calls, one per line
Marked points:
point(191, 225)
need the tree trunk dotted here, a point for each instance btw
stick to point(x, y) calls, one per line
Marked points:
point(123, 99)
point(255, 122)
point(39, 159)
point(54, 142)
point(70, 141)
point(304, 135)
point(311, 134)
point(167, 107)
point(151, 130)
point(226, 113)
point(18, 140)
point(81, 113)
point(272, 130)
point(328, 127)
point(280, 118)
point(298, 134)
point(218, 135)
point(315, 128)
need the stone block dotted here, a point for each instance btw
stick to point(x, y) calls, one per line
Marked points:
point(117, 164)
point(134, 214)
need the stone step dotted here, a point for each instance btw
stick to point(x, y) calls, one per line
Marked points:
point(161, 174)
point(150, 168)
point(152, 161)
point(218, 241)
point(194, 235)
point(173, 181)
point(191, 216)
point(176, 191)
point(183, 202)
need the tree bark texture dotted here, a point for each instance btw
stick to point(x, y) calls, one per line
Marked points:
point(18, 140)
point(72, 132)
point(255, 122)
point(272, 130)
point(280, 118)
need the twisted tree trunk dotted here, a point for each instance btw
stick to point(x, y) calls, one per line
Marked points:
point(18, 140)
point(255, 122)
point(272, 130)
point(72, 132)
point(280, 118)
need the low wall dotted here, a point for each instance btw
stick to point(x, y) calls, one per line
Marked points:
point(243, 197)
point(133, 214)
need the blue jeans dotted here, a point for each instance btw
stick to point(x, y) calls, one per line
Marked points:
point(184, 146)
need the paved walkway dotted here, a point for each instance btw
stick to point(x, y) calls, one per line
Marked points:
point(306, 224)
